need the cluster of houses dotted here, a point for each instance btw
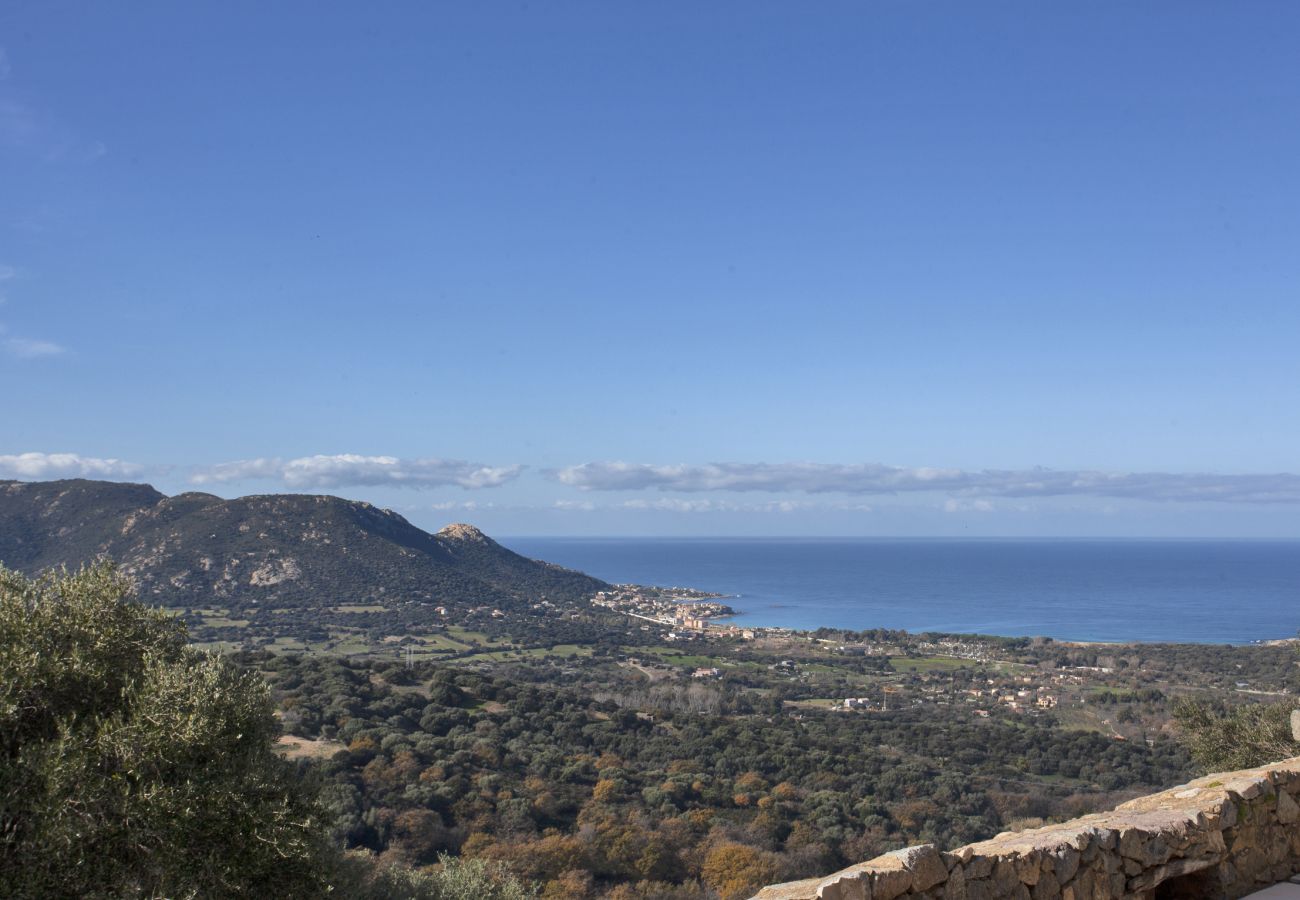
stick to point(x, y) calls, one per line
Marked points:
point(668, 606)
point(976, 651)
point(1014, 699)
point(1018, 695)
point(679, 609)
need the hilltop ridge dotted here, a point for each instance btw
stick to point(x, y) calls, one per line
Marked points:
point(285, 550)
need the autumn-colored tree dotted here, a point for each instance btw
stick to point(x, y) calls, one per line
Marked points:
point(544, 859)
point(575, 884)
point(607, 790)
point(785, 792)
point(735, 871)
point(420, 834)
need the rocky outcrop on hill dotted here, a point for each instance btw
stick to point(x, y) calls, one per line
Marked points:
point(281, 550)
point(1223, 835)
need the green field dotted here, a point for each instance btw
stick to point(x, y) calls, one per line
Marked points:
point(559, 651)
point(440, 643)
point(928, 663)
point(671, 657)
point(815, 703)
point(475, 638)
point(222, 622)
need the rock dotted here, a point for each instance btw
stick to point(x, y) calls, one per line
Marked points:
point(955, 887)
point(1249, 785)
point(1065, 863)
point(848, 888)
point(790, 890)
point(1005, 877)
point(979, 867)
point(1287, 809)
point(1047, 888)
point(1130, 843)
point(1152, 877)
point(1028, 868)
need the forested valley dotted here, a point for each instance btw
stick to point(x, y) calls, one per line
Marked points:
point(587, 797)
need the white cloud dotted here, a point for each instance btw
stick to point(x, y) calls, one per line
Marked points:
point(680, 505)
point(878, 479)
point(953, 505)
point(27, 348)
point(574, 505)
point(238, 471)
point(349, 469)
point(675, 504)
point(806, 477)
point(41, 466)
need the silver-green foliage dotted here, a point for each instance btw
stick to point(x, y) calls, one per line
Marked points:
point(133, 766)
point(453, 878)
point(1237, 738)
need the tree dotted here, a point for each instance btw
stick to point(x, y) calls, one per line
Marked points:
point(132, 765)
point(737, 870)
point(452, 879)
point(1239, 738)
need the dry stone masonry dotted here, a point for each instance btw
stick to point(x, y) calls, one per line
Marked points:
point(1223, 835)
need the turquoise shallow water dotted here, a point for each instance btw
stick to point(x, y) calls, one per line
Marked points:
point(1092, 590)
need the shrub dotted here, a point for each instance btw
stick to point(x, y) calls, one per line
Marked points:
point(131, 765)
point(1238, 738)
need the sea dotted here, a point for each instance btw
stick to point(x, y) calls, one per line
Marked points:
point(1083, 590)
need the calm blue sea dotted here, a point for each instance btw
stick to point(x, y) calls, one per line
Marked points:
point(1088, 590)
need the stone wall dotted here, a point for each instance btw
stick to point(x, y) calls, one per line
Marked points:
point(1219, 836)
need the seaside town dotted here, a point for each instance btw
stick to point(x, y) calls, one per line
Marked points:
point(1110, 689)
point(685, 609)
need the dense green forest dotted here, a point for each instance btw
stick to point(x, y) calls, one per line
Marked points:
point(592, 798)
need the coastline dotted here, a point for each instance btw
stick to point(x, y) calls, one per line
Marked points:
point(1082, 592)
point(717, 621)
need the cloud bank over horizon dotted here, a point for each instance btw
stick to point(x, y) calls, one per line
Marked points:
point(65, 465)
point(350, 469)
point(652, 486)
point(876, 478)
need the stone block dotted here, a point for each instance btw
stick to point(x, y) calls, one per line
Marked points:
point(1047, 888)
point(1288, 811)
point(955, 887)
point(926, 865)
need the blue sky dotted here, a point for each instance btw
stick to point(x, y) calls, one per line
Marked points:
point(613, 268)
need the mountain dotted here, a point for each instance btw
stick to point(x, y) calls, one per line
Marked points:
point(277, 550)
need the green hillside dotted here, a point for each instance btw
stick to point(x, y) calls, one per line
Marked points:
point(291, 552)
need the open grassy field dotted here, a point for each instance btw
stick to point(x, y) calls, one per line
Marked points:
point(216, 646)
point(474, 638)
point(222, 622)
point(442, 643)
point(293, 747)
point(927, 663)
point(814, 703)
point(559, 651)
